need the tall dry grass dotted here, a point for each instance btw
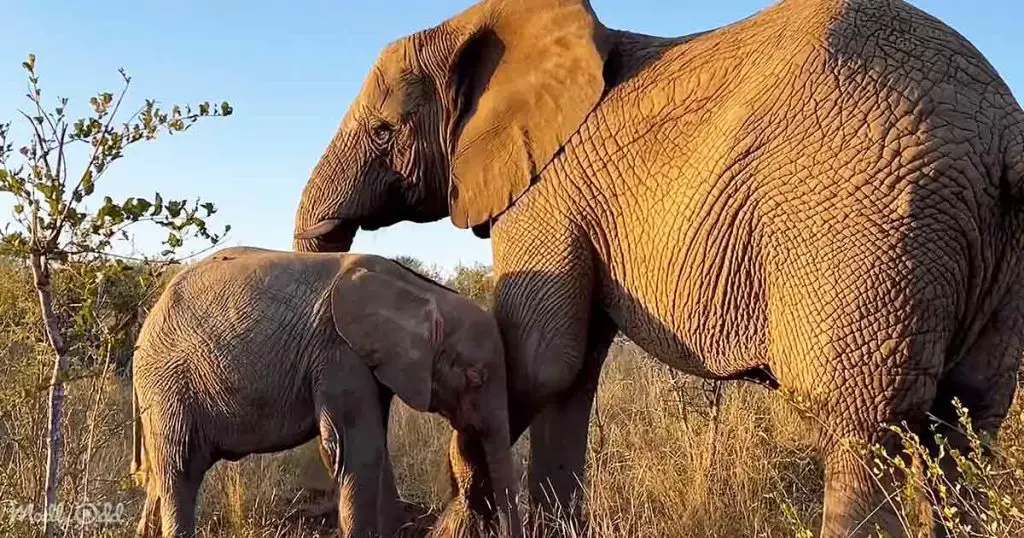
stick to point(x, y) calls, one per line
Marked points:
point(659, 464)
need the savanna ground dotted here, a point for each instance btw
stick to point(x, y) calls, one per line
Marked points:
point(670, 455)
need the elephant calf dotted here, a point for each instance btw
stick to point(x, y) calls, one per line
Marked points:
point(254, 351)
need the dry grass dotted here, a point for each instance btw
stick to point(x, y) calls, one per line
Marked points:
point(659, 465)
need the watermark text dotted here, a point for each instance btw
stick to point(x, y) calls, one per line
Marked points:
point(76, 514)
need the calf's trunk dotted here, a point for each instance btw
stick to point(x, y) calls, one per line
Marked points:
point(498, 453)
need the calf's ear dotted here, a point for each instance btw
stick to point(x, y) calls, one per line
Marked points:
point(396, 329)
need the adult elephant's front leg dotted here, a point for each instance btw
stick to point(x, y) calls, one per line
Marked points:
point(558, 436)
point(543, 302)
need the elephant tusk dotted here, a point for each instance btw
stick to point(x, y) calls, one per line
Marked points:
point(318, 229)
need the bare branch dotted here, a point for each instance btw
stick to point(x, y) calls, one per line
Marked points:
point(44, 148)
point(172, 261)
point(34, 97)
point(61, 163)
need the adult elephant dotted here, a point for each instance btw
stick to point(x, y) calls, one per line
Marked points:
point(824, 196)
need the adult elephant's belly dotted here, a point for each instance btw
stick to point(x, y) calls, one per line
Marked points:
point(696, 302)
point(698, 339)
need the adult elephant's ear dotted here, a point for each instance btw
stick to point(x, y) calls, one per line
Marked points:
point(524, 76)
point(397, 330)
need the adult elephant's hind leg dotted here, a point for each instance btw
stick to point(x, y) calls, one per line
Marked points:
point(558, 436)
point(856, 500)
point(863, 345)
point(985, 382)
point(889, 383)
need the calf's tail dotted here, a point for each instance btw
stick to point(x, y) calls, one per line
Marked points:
point(139, 466)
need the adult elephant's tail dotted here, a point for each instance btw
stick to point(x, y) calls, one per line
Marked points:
point(139, 466)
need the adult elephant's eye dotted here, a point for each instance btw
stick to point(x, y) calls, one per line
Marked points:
point(382, 133)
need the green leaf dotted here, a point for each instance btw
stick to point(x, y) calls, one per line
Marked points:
point(141, 207)
point(19, 209)
point(158, 205)
point(174, 208)
point(87, 184)
point(174, 240)
point(75, 218)
point(45, 189)
point(225, 109)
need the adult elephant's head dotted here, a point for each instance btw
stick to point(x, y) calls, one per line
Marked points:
point(457, 120)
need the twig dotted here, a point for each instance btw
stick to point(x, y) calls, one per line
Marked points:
point(73, 252)
point(61, 164)
point(92, 157)
point(98, 392)
point(44, 147)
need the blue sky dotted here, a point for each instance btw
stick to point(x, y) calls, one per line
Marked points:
point(290, 69)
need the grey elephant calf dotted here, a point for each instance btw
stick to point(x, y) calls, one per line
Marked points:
point(254, 351)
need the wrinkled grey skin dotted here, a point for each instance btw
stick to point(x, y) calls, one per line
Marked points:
point(253, 351)
point(825, 196)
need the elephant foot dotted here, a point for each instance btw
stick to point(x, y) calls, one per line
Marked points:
point(856, 503)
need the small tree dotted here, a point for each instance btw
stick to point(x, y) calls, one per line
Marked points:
point(417, 265)
point(51, 177)
point(475, 282)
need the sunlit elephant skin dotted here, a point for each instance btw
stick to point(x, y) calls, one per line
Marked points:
point(825, 196)
point(253, 351)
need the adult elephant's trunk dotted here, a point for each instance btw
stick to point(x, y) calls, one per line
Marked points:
point(336, 200)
